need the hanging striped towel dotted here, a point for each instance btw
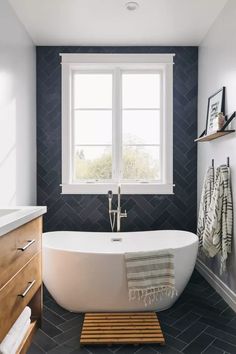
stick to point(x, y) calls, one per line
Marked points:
point(218, 231)
point(150, 275)
point(205, 202)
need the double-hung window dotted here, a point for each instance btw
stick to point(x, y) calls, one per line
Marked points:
point(117, 123)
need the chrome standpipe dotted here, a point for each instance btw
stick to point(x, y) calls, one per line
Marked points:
point(115, 215)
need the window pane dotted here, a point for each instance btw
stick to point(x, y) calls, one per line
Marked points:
point(141, 127)
point(92, 90)
point(93, 127)
point(141, 163)
point(141, 90)
point(93, 162)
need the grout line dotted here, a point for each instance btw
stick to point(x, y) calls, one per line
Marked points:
point(49, 338)
point(198, 319)
point(45, 306)
point(197, 337)
point(208, 346)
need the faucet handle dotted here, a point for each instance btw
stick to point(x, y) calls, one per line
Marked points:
point(124, 215)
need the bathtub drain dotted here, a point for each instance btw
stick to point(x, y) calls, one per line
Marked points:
point(116, 239)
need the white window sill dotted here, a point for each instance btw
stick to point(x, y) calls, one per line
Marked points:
point(126, 188)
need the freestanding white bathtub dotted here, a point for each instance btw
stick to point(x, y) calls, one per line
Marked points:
point(85, 271)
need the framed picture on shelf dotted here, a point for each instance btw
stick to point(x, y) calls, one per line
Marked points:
point(216, 105)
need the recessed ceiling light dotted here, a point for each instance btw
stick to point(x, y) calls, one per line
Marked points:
point(131, 5)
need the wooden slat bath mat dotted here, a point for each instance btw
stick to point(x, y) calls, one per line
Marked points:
point(121, 328)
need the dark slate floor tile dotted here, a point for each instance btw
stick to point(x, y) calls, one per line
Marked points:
point(50, 329)
point(219, 334)
point(34, 349)
point(146, 350)
point(221, 305)
point(60, 350)
point(170, 330)
point(216, 323)
point(65, 336)
point(95, 350)
point(165, 349)
point(199, 344)
point(192, 332)
point(232, 323)
point(175, 342)
point(213, 332)
point(80, 351)
point(185, 321)
point(52, 305)
point(70, 315)
point(225, 346)
point(72, 343)
point(44, 341)
point(229, 313)
point(75, 322)
point(127, 349)
point(213, 350)
point(52, 317)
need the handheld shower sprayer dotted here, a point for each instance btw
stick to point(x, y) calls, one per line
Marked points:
point(111, 213)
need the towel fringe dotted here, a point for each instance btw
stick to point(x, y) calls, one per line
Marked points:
point(152, 294)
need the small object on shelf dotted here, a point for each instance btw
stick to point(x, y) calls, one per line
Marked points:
point(216, 105)
point(218, 122)
point(217, 134)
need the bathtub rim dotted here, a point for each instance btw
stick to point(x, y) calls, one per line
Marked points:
point(195, 241)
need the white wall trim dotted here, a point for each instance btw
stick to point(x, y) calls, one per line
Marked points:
point(116, 58)
point(161, 63)
point(220, 287)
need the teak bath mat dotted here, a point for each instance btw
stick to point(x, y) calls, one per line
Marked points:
point(121, 328)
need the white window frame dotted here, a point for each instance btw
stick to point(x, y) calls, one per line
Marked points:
point(116, 62)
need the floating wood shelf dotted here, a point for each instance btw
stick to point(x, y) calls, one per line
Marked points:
point(121, 328)
point(218, 133)
point(215, 135)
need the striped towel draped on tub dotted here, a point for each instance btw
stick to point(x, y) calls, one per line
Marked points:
point(150, 275)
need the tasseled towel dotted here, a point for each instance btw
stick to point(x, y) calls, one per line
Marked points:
point(150, 275)
point(218, 230)
point(205, 202)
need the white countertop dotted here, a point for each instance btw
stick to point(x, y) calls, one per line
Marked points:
point(13, 217)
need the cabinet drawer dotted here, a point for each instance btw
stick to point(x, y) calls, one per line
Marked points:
point(18, 292)
point(18, 247)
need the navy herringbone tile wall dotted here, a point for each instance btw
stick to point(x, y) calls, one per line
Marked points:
point(90, 212)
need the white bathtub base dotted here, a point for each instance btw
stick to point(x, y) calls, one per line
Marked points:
point(82, 277)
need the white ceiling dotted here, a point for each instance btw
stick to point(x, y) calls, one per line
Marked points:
point(107, 22)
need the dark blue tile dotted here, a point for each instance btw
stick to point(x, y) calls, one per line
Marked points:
point(50, 329)
point(213, 350)
point(72, 212)
point(52, 316)
point(229, 348)
point(192, 332)
point(199, 344)
point(43, 341)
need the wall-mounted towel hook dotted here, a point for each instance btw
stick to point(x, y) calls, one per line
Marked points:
point(228, 161)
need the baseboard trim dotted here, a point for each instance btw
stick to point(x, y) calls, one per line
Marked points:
point(220, 287)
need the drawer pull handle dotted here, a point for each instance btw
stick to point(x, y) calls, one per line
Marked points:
point(31, 284)
point(30, 242)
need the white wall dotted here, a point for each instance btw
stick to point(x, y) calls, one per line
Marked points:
point(217, 68)
point(17, 111)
